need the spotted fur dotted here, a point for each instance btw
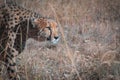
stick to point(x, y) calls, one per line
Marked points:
point(16, 26)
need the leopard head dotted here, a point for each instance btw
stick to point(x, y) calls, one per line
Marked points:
point(47, 30)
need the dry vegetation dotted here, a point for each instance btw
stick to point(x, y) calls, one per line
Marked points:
point(90, 41)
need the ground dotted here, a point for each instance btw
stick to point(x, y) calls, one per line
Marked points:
point(89, 48)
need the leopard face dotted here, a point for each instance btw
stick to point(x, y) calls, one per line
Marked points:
point(48, 30)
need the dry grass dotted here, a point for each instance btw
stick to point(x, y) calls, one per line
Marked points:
point(89, 48)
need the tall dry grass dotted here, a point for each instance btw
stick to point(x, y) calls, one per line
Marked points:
point(89, 48)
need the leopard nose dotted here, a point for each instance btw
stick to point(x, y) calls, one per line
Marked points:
point(56, 37)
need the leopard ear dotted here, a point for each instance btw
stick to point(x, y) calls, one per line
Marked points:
point(33, 22)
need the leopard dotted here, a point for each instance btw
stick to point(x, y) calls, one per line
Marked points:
point(17, 25)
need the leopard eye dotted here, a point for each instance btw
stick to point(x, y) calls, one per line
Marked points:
point(48, 27)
